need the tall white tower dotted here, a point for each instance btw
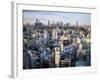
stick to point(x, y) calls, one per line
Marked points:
point(57, 56)
point(54, 34)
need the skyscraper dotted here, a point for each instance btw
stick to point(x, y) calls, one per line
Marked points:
point(48, 22)
point(77, 24)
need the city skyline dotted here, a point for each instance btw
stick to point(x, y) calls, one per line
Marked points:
point(30, 16)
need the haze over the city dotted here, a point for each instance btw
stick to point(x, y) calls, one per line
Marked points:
point(30, 16)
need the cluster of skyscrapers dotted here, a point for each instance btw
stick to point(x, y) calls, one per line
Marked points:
point(56, 45)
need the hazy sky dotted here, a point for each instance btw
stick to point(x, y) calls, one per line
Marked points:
point(71, 17)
